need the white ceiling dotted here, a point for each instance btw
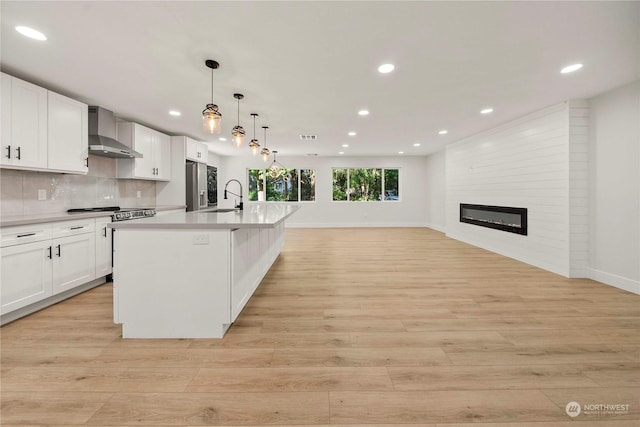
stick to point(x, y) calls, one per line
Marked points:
point(307, 67)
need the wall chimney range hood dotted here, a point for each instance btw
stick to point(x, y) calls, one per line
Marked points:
point(102, 134)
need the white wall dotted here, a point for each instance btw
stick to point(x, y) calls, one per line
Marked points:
point(524, 163)
point(615, 187)
point(434, 190)
point(408, 212)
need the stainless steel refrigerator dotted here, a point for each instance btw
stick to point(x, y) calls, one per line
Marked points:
point(196, 186)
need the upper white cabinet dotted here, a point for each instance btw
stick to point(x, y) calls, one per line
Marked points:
point(68, 134)
point(155, 148)
point(24, 124)
point(196, 151)
point(42, 130)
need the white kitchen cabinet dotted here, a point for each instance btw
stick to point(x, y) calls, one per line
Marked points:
point(42, 260)
point(196, 151)
point(74, 261)
point(103, 246)
point(74, 249)
point(24, 124)
point(155, 147)
point(26, 267)
point(67, 134)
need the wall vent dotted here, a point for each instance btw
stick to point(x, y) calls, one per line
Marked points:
point(308, 137)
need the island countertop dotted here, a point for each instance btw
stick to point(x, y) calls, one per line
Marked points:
point(253, 216)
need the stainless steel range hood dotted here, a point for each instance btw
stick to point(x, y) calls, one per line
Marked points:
point(102, 134)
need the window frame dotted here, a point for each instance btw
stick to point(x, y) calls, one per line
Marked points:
point(264, 183)
point(382, 183)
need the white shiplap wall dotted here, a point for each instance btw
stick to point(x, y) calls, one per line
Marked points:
point(524, 163)
point(579, 188)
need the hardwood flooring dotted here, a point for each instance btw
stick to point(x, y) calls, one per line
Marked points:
point(357, 327)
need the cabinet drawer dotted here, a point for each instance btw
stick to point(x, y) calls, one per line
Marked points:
point(25, 234)
point(71, 228)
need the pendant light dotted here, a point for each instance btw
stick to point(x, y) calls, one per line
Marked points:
point(238, 131)
point(275, 168)
point(254, 142)
point(211, 117)
point(265, 150)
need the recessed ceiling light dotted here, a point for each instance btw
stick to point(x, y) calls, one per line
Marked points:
point(400, 152)
point(175, 113)
point(222, 139)
point(340, 152)
point(345, 145)
point(363, 112)
point(571, 68)
point(417, 144)
point(352, 133)
point(487, 111)
point(30, 32)
point(386, 68)
point(443, 132)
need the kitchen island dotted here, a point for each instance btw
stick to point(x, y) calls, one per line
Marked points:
point(189, 274)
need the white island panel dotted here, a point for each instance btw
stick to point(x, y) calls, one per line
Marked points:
point(172, 283)
point(189, 275)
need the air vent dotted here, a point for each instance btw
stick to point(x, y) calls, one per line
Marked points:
point(308, 137)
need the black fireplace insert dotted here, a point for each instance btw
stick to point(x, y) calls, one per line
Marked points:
point(513, 220)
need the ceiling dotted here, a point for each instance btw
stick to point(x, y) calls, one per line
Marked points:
point(307, 67)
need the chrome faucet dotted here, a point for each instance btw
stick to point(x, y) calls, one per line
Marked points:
point(240, 206)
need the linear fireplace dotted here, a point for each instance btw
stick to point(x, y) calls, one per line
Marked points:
point(513, 220)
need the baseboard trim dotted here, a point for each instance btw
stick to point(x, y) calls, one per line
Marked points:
point(36, 306)
point(614, 280)
point(437, 227)
point(356, 225)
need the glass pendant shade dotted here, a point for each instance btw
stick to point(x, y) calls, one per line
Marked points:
point(238, 134)
point(211, 119)
point(238, 131)
point(255, 147)
point(265, 150)
point(265, 154)
point(275, 168)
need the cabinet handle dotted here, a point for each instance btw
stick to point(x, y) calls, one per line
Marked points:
point(77, 228)
point(50, 252)
point(105, 232)
point(86, 161)
point(59, 250)
point(18, 156)
point(26, 235)
point(8, 151)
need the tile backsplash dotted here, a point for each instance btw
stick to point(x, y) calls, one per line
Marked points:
point(19, 190)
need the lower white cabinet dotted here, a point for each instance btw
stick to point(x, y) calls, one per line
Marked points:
point(103, 246)
point(74, 261)
point(26, 274)
point(41, 260)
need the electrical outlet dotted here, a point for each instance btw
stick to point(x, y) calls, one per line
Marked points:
point(42, 194)
point(201, 239)
point(139, 194)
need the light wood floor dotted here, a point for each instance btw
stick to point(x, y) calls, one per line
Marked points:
point(350, 327)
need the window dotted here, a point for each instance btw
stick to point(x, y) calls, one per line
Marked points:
point(288, 185)
point(366, 184)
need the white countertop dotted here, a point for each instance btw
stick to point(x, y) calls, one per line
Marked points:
point(11, 221)
point(253, 216)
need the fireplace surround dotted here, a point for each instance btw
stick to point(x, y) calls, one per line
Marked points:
point(505, 218)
